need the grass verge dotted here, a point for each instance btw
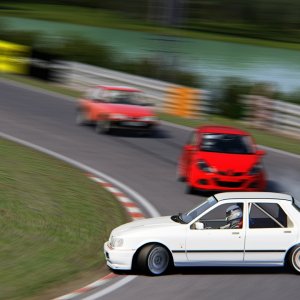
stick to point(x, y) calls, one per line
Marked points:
point(110, 19)
point(262, 137)
point(53, 222)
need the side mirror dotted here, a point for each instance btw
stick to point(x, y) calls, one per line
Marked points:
point(199, 226)
point(189, 147)
point(261, 152)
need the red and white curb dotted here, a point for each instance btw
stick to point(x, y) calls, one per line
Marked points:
point(134, 212)
point(89, 287)
point(132, 209)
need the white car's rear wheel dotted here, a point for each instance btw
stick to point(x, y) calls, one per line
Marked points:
point(154, 259)
point(294, 258)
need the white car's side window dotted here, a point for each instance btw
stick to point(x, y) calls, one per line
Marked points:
point(225, 216)
point(268, 215)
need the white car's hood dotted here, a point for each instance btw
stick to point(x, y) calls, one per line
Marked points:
point(150, 223)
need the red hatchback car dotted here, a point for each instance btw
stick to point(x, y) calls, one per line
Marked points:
point(111, 107)
point(219, 158)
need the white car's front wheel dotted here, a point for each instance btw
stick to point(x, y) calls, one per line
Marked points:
point(294, 258)
point(154, 259)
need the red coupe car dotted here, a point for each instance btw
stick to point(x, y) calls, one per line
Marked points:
point(111, 107)
point(219, 158)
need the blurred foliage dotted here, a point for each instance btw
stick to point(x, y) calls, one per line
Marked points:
point(293, 96)
point(265, 19)
point(230, 103)
point(24, 38)
point(82, 50)
point(158, 69)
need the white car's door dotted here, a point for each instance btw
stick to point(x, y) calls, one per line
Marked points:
point(269, 234)
point(212, 244)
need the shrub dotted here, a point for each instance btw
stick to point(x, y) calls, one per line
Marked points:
point(230, 103)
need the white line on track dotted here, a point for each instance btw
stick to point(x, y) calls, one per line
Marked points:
point(140, 199)
point(182, 127)
point(111, 288)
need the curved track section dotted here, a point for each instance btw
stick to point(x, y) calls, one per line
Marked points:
point(148, 166)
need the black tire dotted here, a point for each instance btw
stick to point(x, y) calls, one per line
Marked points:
point(81, 118)
point(149, 133)
point(102, 127)
point(154, 260)
point(190, 190)
point(179, 177)
point(294, 259)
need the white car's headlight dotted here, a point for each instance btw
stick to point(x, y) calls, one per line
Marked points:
point(148, 119)
point(118, 117)
point(116, 242)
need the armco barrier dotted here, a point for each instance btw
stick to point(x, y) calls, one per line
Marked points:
point(273, 115)
point(168, 97)
point(264, 113)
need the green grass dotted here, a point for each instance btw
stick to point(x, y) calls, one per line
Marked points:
point(110, 19)
point(53, 222)
point(262, 137)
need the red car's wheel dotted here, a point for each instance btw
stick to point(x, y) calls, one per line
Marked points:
point(179, 175)
point(81, 118)
point(103, 126)
point(189, 187)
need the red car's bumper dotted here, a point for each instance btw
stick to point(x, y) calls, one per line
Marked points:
point(135, 125)
point(236, 182)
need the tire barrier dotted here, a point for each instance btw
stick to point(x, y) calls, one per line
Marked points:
point(46, 67)
point(186, 102)
point(14, 58)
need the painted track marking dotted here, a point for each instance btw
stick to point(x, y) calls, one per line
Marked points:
point(108, 183)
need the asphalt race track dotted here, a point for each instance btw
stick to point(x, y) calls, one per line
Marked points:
point(148, 165)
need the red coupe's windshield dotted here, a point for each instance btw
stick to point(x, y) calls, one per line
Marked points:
point(123, 97)
point(226, 143)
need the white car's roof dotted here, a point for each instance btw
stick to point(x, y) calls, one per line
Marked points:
point(253, 195)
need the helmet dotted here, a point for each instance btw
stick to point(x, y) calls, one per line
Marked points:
point(233, 212)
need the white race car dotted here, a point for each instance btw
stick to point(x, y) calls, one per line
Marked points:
point(228, 229)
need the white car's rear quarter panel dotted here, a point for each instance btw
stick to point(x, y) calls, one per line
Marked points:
point(270, 245)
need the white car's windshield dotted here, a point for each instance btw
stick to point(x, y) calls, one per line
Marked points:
point(195, 212)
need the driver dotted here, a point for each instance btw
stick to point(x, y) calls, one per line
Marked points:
point(234, 217)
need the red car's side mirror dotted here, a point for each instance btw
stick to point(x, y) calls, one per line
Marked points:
point(190, 147)
point(260, 152)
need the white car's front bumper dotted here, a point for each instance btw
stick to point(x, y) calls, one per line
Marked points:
point(118, 259)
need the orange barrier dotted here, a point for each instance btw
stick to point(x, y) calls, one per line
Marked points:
point(183, 102)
